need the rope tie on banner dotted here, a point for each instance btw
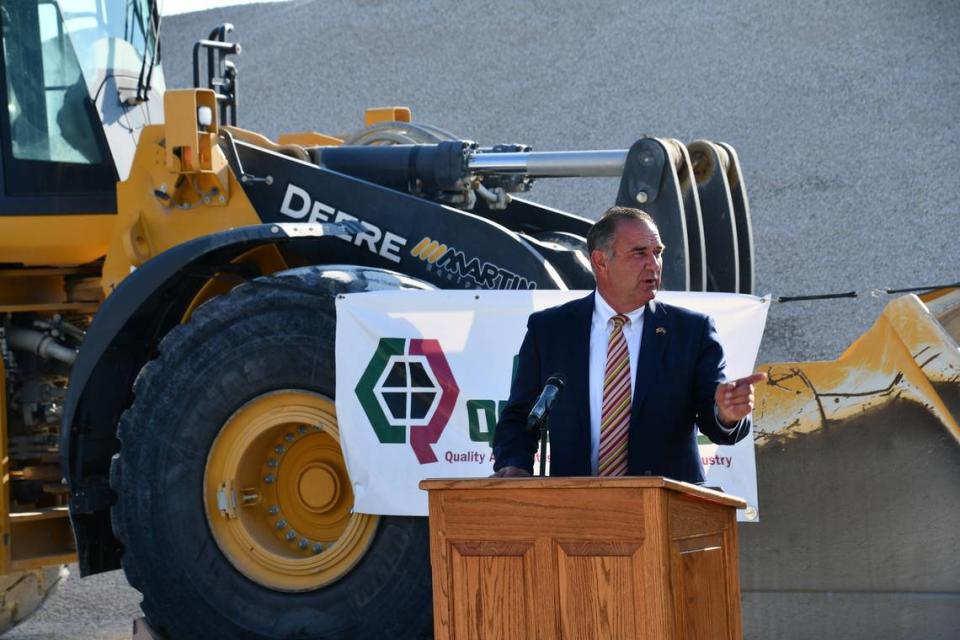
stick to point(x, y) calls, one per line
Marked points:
point(873, 293)
point(237, 274)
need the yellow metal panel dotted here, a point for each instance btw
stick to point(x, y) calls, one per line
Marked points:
point(945, 305)
point(39, 539)
point(903, 355)
point(184, 138)
point(54, 240)
point(50, 290)
point(251, 137)
point(22, 291)
point(37, 562)
point(377, 115)
point(192, 149)
point(933, 349)
point(159, 209)
point(4, 477)
point(309, 139)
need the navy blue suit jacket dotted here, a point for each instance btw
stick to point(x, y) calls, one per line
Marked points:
point(678, 370)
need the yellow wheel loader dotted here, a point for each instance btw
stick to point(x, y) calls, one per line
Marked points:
point(167, 287)
point(858, 474)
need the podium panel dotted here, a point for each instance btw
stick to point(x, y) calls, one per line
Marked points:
point(582, 558)
point(493, 575)
point(593, 578)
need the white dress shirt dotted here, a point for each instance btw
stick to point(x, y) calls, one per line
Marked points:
point(600, 330)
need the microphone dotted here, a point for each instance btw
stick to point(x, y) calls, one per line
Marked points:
point(551, 391)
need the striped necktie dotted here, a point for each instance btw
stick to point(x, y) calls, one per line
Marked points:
point(617, 398)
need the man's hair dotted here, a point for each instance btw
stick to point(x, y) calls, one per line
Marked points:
point(600, 236)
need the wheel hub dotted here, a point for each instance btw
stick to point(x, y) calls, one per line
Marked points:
point(278, 497)
point(318, 488)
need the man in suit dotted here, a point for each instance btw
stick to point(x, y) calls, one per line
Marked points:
point(640, 375)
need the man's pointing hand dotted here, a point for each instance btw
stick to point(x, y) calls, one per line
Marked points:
point(735, 399)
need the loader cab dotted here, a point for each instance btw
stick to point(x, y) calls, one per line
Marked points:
point(75, 76)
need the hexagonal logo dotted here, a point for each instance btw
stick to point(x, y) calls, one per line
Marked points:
point(408, 384)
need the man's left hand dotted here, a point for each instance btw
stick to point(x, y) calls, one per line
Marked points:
point(735, 399)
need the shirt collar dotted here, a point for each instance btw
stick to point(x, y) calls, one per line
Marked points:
point(602, 311)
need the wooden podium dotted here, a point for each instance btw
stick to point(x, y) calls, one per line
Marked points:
point(583, 558)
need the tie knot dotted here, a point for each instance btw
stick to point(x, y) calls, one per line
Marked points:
point(619, 320)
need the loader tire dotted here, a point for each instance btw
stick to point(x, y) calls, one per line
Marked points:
point(22, 593)
point(252, 373)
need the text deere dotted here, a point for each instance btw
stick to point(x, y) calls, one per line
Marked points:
point(298, 204)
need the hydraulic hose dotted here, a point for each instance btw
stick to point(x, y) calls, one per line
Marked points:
point(39, 344)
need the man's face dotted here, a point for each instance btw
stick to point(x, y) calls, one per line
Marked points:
point(629, 276)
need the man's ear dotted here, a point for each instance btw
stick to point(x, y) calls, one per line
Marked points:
point(598, 259)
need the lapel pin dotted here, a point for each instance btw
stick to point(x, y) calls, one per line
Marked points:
point(661, 331)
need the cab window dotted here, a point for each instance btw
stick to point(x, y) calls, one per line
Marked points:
point(52, 141)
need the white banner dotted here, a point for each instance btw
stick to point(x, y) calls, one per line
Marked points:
point(423, 375)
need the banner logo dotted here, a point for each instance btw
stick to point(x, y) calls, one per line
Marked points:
point(408, 383)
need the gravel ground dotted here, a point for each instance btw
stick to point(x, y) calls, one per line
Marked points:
point(101, 607)
point(844, 116)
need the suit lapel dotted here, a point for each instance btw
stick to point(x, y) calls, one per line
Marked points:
point(652, 344)
point(578, 375)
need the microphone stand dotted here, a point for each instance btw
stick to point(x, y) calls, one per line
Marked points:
point(540, 414)
point(543, 444)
